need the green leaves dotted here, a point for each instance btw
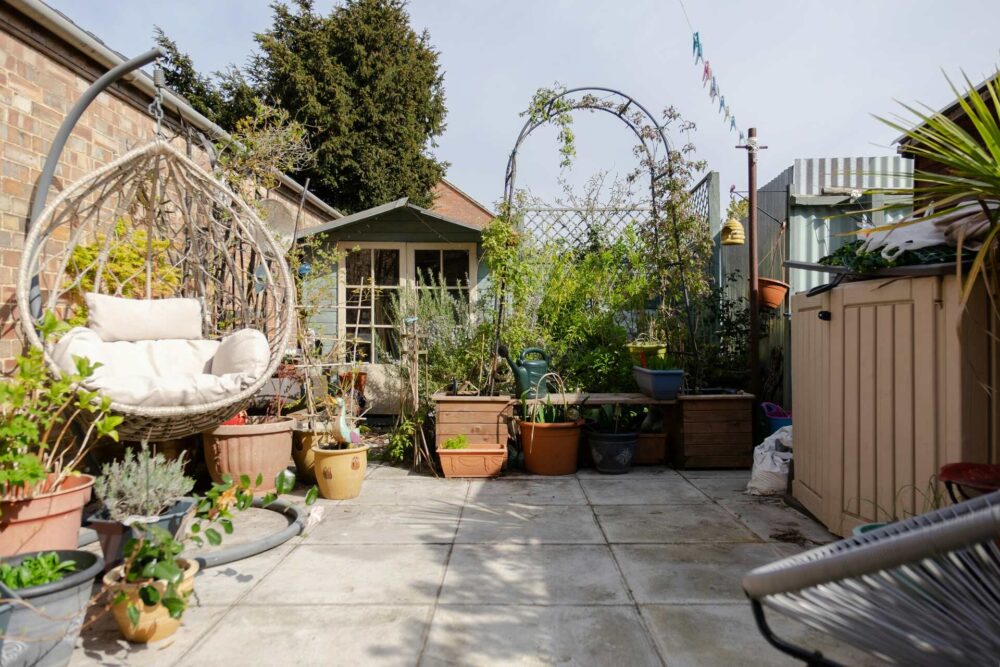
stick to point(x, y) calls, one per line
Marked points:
point(44, 568)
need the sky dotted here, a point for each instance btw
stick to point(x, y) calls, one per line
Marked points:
point(809, 74)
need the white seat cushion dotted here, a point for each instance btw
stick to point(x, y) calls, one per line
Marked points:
point(166, 372)
point(115, 318)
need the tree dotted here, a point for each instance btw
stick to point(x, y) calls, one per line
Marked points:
point(370, 90)
point(367, 87)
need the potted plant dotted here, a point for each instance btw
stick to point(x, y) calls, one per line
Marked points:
point(341, 461)
point(550, 434)
point(613, 435)
point(250, 446)
point(772, 292)
point(149, 591)
point(659, 378)
point(42, 493)
point(48, 593)
point(460, 459)
point(142, 489)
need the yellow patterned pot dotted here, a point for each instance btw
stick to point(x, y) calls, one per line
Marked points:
point(340, 472)
point(154, 621)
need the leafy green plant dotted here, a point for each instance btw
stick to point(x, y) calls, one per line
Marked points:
point(141, 484)
point(152, 558)
point(38, 451)
point(615, 418)
point(543, 410)
point(456, 442)
point(45, 568)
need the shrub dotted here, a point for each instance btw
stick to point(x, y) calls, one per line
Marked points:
point(141, 484)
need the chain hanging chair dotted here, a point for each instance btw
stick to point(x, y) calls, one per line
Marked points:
point(154, 224)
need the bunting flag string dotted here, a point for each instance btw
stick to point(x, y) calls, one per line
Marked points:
point(708, 79)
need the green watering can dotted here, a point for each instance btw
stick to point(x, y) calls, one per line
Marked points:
point(528, 373)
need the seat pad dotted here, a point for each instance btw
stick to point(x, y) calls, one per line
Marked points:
point(167, 372)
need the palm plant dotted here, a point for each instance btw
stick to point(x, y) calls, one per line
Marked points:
point(963, 190)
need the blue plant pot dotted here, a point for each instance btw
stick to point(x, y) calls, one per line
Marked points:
point(774, 423)
point(661, 385)
point(113, 535)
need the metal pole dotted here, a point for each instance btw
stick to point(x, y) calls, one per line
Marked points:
point(752, 148)
point(62, 135)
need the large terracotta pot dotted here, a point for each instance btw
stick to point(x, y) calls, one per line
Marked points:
point(251, 450)
point(48, 522)
point(154, 621)
point(551, 449)
point(340, 472)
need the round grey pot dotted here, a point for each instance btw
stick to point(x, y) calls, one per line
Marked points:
point(45, 638)
point(613, 452)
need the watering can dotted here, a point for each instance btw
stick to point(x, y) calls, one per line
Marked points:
point(528, 373)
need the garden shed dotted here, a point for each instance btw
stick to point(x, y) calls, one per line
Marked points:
point(379, 252)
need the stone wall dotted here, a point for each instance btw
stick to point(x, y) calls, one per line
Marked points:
point(40, 80)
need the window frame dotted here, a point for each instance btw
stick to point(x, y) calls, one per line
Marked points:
point(407, 275)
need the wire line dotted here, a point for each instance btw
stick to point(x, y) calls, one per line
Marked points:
point(686, 17)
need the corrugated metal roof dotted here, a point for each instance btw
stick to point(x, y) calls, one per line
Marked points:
point(812, 175)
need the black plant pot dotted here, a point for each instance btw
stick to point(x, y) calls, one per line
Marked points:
point(45, 638)
point(113, 534)
point(613, 452)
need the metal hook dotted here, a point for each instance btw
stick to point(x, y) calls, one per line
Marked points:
point(156, 106)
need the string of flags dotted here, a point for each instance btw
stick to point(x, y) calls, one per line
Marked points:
point(714, 92)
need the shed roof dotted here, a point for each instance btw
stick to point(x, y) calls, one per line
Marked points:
point(370, 214)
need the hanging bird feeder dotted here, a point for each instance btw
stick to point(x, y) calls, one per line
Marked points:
point(732, 232)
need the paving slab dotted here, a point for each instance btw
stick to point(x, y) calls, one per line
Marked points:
point(658, 524)
point(715, 474)
point(546, 574)
point(316, 635)
point(690, 573)
point(771, 519)
point(354, 574)
point(528, 524)
point(227, 584)
point(387, 471)
point(730, 488)
point(529, 491)
point(410, 491)
point(634, 471)
point(663, 489)
point(432, 522)
point(101, 643)
point(724, 635)
point(531, 635)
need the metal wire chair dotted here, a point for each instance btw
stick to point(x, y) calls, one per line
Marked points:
point(183, 233)
point(924, 591)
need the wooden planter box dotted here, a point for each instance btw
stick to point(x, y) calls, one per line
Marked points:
point(481, 419)
point(652, 449)
point(714, 432)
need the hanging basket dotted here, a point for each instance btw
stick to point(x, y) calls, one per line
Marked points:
point(154, 224)
point(772, 292)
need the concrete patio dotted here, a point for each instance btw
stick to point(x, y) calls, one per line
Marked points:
point(641, 569)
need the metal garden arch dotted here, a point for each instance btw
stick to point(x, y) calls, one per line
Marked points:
point(618, 104)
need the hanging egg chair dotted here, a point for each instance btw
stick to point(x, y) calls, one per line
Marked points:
point(177, 287)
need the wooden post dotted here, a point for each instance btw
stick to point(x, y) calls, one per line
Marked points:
point(752, 149)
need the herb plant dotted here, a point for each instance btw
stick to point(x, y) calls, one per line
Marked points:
point(141, 484)
point(44, 568)
point(456, 442)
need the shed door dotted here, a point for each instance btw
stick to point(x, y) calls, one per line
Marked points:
point(883, 413)
point(810, 384)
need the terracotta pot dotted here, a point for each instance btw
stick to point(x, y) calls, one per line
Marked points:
point(360, 380)
point(772, 292)
point(48, 522)
point(154, 621)
point(251, 450)
point(340, 472)
point(551, 449)
point(473, 461)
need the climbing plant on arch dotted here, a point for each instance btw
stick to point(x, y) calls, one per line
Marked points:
point(676, 242)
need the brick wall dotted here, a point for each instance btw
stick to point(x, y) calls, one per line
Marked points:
point(40, 79)
point(451, 202)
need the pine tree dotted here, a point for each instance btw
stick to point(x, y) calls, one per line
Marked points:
point(365, 84)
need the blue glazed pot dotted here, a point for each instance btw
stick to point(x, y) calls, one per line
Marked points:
point(661, 385)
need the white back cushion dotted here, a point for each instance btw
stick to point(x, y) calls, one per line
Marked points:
point(117, 319)
point(244, 352)
point(155, 358)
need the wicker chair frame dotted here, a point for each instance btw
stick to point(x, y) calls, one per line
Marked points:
point(189, 236)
